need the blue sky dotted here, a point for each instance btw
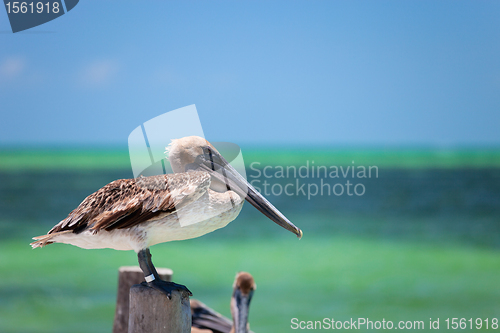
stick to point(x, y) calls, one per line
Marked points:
point(264, 72)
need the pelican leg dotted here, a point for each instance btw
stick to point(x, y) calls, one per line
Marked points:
point(152, 278)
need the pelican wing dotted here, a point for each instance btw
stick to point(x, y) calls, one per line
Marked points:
point(205, 318)
point(125, 203)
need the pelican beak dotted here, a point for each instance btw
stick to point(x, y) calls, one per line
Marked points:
point(220, 169)
point(240, 309)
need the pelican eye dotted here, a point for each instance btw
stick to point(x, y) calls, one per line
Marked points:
point(207, 150)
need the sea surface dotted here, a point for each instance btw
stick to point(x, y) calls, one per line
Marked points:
point(416, 238)
point(429, 204)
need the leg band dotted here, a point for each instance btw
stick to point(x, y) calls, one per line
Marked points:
point(149, 278)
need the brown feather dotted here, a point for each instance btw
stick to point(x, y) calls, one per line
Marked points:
point(203, 317)
point(125, 203)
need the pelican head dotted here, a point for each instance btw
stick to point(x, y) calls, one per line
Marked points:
point(194, 153)
point(243, 288)
point(182, 152)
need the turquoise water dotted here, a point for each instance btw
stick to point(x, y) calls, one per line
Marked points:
point(418, 243)
point(435, 205)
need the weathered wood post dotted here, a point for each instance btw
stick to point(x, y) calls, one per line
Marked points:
point(152, 312)
point(127, 277)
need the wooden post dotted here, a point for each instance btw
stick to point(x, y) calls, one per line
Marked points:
point(152, 312)
point(127, 277)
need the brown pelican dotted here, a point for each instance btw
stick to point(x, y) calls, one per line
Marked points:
point(205, 319)
point(205, 193)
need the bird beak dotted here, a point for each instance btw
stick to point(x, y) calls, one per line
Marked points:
point(241, 310)
point(220, 169)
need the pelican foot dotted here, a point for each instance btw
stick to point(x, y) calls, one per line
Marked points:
point(167, 287)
